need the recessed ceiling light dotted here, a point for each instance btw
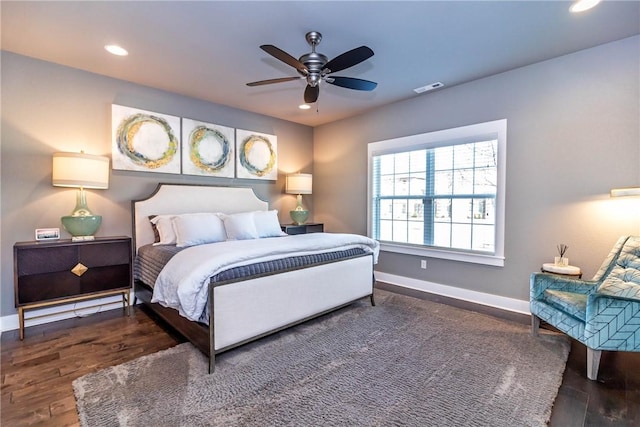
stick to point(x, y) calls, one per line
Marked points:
point(116, 50)
point(582, 5)
point(304, 106)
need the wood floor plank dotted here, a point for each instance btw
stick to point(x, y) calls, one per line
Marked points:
point(37, 373)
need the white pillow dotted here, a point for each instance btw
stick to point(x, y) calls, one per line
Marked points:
point(197, 229)
point(165, 229)
point(240, 226)
point(267, 224)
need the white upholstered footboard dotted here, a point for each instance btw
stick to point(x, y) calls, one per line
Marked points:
point(247, 309)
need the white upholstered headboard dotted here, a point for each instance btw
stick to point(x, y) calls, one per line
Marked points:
point(180, 198)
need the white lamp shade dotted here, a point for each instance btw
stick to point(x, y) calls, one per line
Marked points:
point(299, 183)
point(80, 170)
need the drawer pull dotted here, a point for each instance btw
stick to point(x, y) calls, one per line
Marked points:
point(79, 269)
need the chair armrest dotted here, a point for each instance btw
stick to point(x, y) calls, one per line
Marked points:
point(600, 299)
point(612, 322)
point(542, 281)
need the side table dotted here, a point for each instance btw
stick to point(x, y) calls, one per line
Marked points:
point(563, 270)
point(313, 227)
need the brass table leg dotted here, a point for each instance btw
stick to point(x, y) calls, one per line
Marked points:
point(21, 320)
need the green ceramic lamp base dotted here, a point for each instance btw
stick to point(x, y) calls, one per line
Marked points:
point(299, 217)
point(82, 224)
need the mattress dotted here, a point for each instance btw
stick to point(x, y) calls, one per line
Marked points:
point(151, 260)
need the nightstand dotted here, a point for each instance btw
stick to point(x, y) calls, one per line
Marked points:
point(59, 272)
point(303, 228)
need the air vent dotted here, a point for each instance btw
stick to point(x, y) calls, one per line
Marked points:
point(427, 88)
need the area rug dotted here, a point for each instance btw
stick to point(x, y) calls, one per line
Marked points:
point(405, 362)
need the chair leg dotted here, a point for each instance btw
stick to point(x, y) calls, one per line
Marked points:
point(535, 324)
point(593, 363)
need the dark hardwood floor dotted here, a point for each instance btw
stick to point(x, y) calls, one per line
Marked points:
point(37, 373)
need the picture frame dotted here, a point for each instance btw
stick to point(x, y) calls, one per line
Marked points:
point(207, 149)
point(256, 155)
point(47, 234)
point(145, 141)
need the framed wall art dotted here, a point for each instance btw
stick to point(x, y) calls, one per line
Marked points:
point(207, 149)
point(144, 140)
point(256, 155)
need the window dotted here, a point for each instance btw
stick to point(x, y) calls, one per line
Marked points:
point(441, 194)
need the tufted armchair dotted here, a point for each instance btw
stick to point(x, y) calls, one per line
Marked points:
point(602, 313)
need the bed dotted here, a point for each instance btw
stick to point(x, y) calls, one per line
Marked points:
point(228, 275)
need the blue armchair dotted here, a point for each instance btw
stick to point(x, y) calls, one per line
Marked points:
point(602, 313)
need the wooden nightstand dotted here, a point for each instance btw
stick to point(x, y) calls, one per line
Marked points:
point(303, 228)
point(59, 272)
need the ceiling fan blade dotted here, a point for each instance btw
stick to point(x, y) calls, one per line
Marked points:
point(348, 59)
point(285, 57)
point(311, 94)
point(271, 81)
point(351, 83)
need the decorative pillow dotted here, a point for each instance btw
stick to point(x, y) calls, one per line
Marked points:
point(197, 229)
point(156, 234)
point(240, 226)
point(267, 224)
point(164, 228)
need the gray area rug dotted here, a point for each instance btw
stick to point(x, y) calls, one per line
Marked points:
point(404, 362)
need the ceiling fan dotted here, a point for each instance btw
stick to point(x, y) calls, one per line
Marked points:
point(315, 68)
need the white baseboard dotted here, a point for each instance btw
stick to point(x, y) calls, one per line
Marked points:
point(88, 307)
point(504, 303)
point(62, 311)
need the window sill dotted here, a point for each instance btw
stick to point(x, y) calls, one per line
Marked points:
point(475, 258)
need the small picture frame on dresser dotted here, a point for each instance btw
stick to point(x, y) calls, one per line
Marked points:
point(47, 234)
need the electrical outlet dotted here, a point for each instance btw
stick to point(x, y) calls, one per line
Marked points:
point(423, 264)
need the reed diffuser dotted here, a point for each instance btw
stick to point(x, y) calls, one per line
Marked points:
point(562, 260)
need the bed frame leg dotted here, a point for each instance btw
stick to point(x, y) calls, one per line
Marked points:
point(212, 334)
point(212, 363)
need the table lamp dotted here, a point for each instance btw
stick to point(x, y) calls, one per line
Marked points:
point(83, 171)
point(299, 183)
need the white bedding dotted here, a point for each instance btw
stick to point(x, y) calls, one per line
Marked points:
point(182, 284)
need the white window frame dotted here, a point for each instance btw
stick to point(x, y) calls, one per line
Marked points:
point(496, 129)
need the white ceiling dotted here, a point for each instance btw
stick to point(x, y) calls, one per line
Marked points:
point(210, 49)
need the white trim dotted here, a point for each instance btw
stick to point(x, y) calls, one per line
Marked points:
point(497, 301)
point(62, 312)
point(475, 258)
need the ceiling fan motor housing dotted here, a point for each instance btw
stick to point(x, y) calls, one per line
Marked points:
point(315, 63)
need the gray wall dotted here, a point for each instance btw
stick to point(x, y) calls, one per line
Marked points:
point(48, 108)
point(573, 133)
